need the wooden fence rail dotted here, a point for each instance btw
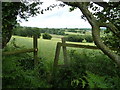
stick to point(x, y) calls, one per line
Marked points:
point(18, 51)
point(34, 50)
point(64, 45)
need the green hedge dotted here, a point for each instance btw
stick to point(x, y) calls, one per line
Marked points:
point(79, 38)
point(27, 32)
point(88, 38)
point(75, 38)
point(46, 36)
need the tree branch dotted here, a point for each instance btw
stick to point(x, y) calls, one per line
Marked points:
point(102, 4)
point(96, 34)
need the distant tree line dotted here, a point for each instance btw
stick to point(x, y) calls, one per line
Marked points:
point(83, 31)
point(53, 31)
point(30, 31)
point(27, 32)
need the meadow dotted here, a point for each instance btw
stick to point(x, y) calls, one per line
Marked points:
point(46, 48)
point(88, 68)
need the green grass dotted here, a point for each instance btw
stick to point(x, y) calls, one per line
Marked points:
point(73, 33)
point(46, 47)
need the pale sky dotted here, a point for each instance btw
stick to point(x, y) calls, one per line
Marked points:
point(57, 18)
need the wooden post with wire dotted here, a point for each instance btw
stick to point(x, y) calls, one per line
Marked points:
point(35, 46)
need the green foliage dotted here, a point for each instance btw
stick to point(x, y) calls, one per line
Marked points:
point(112, 42)
point(71, 76)
point(46, 36)
point(79, 38)
point(27, 31)
point(88, 38)
point(75, 38)
point(96, 81)
point(72, 9)
point(86, 69)
point(110, 13)
point(101, 72)
point(72, 30)
point(61, 33)
point(19, 72)
point(10, 11)
point(30, 31)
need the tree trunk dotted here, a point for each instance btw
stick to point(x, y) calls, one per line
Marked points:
point(96, 31)
point(96, 34)
point(6, 36)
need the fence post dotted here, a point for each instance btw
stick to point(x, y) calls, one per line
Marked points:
point(35, 46)
point(57, 53)
point(64, 51)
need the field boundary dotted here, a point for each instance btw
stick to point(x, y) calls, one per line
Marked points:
point(64, 45)
point(34, 50)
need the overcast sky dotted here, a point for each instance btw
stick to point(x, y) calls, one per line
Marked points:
point(57, 18)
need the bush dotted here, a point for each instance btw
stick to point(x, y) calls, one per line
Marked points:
point(75, 38)
point(71, 76)
point(18, 71)
point(88, 38)
point(60, 33)
point(46, 36)
point(101, 71)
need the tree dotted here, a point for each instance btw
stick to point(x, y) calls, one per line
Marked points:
point(102, 19)
point(47, 36)
point(10, 11)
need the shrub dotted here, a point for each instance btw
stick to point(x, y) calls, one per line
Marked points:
point(88, 38)
point(75, 38)
point(101, 71)
point(46, 36)
point(18, 71)
point(60, 33)
point(71, 76)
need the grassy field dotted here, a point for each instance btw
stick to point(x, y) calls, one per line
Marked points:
point(73, 33)
point(46, 47)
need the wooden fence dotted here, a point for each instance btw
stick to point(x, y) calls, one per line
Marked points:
point(64, 45)
point(34, 50)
